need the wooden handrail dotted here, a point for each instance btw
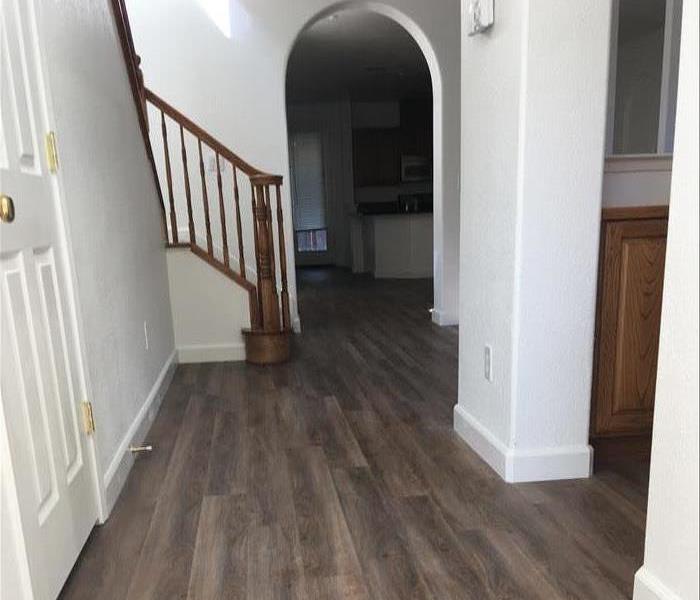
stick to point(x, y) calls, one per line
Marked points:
point(268, 311)
point(244, 283)
point(206, 138)
point(132, 63)
point(267, 340)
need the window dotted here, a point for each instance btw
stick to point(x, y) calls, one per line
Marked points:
point(312, 240)
point(308, 193)
point(644, 76)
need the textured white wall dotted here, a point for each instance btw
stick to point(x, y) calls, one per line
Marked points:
point(670, 568)
point(562, 170)
point(533, 124)
point(491, 79)
point(235, 88)
point(112, 212)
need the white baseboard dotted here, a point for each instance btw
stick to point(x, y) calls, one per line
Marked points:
point(649, 587)
point(198, 353)
point(115, 476)
point(518, 466)
point(444, 319)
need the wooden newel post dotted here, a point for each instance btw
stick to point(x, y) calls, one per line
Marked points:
point(269, 313)
point(268, 339)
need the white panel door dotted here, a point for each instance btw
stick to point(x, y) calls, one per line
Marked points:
point(49, 468)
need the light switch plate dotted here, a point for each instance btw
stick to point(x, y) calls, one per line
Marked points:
point(488, 363)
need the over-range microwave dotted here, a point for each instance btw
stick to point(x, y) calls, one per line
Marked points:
point(415, 168)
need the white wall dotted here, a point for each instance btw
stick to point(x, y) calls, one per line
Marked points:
point(670, 568)
point(235, 88)
point(207, 324)
point(533, 124)
point(113, 218)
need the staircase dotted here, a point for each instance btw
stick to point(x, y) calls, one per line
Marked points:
point(207, 233)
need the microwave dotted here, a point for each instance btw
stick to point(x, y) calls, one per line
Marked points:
point(415, 168)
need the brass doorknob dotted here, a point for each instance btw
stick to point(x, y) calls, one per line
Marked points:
point(7, 209)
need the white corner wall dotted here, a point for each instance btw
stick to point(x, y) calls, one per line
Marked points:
point(671, 556)
point(235, 88)
point(209, 310)
point(114, 225)
point(533, 125)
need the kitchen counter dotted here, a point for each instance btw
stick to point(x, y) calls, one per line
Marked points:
point(393, 245)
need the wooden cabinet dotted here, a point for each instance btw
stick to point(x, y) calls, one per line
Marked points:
point(376, 157)
point(633, 248)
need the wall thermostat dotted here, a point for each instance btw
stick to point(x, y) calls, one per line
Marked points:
point(479, 16)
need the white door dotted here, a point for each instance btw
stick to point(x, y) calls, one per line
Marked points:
point(49, 470)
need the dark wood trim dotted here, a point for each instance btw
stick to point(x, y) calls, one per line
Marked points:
point(219, 266)
point(624, 213)
point(264, 306)
point(202, 135)
point(266, 179)
point(133, 71)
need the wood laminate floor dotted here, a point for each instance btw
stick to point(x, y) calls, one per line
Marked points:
point(338, 475)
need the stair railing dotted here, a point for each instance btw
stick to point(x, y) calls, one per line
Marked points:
point(267, 340)
point(267, 312)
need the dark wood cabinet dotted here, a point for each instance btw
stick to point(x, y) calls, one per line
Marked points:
point(417, 127)
point(376, 157)
point(630, 288)
point(377, 151)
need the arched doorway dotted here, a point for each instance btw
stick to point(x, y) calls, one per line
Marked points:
point(345, 69)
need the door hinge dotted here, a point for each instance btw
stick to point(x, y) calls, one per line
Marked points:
point(51, 151)
point(88, 418)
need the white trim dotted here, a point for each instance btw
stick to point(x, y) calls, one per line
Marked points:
point(444, 319)
point(481, 440)
point(649, 587)
point(517, 466)
point(199, 353)
point(115, 475)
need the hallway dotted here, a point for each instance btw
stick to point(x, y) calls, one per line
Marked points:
point(338, 475)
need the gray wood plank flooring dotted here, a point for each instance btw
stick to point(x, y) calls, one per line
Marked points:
point(338, 475)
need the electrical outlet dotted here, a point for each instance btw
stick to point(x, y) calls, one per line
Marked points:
point(488, 363)
point(145, 333)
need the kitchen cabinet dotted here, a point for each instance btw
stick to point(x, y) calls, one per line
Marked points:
point(630, 288)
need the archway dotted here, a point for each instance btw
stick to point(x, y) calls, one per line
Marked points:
point(335, 15)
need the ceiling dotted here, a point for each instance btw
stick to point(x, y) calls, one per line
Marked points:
point(359, 55)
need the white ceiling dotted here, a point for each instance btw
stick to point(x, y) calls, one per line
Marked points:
point(358, 55)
